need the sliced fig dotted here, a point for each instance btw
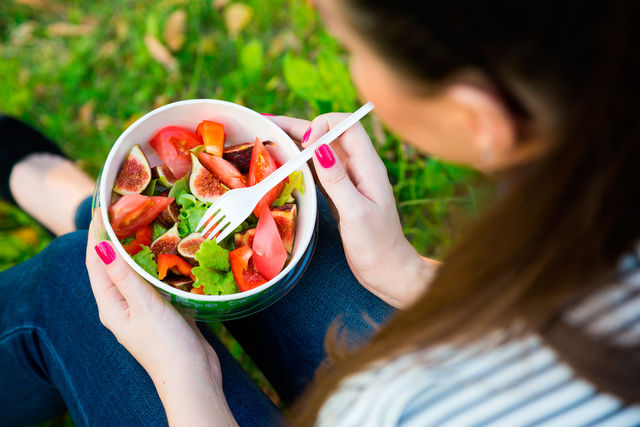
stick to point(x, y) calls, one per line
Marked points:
point(164, 175)
point(169, 216)
point(202, 184)
point(188, 246)
point(240, 155)
point(286, 217)
point(244, 238)
point(135, 174)
point(167, 243)
point(180, 282)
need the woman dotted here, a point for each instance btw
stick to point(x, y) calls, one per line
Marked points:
point(531, 319)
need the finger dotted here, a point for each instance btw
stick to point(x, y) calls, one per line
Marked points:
point(336, 182)
point(294, 127)
point(133, 288)
point(111, 304)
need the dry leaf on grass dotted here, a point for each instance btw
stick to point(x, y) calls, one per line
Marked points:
point(174, 30)
point(65, 29)
point(237, 16)
point(85, 113)
point(160, 53)
point(219, 4)
point(41, 5)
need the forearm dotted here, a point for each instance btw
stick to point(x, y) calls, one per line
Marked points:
point(193, 402)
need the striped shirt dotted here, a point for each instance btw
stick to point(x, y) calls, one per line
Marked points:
point(515, 383)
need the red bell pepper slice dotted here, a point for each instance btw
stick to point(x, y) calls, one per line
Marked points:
point(243, 269)
point(144, 236)
point(176, 264)
point(213, 136)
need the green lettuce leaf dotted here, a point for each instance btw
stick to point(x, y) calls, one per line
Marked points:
point(215, 282)
point(191, 212)
point(296, 182)
point(158, 230)
point(211, 255)
point(127, 240)
point(150, 188)
point(181, 186)
point(144, 259)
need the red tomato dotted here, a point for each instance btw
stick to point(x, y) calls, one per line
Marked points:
point(223, 170)
point(133, 211)
point(212, 134)
point(144, 236)
point(176, 264)
point(172, 143)
point(243, 269)
point(269, 253)
point(262, 165)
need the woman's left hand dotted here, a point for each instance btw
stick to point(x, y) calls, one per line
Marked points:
point(181, 363)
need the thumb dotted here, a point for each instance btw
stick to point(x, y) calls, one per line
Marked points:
point(132, 287)
point(335, 180)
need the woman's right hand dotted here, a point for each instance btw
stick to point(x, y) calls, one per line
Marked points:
point(355, 180)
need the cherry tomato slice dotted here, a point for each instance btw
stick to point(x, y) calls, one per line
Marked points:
point(262, 165)
point(144, 236)
point(243, 269)
point(133, 211)
point(176, 264)
point(223, 170)
point(269, 253)
point(213, 136)
point(172, 143)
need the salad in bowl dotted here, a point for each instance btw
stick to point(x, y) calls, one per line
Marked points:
point(152, 199)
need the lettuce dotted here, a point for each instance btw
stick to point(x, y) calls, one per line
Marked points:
point(181, 186)
point(158, 230)
point(211, 255)
point(191, 212)
point(144, 259)
point(215, 282)
point(213, 272)
point(296, 182)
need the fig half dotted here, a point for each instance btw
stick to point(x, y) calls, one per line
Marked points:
point(167, 243)
point(188, 246)
point(240, 155)
point(244, 238)
point(135, 174)
point(164, 175)
point(202, 184)
point(286, 217)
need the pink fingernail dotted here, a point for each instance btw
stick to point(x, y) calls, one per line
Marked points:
point(325, 156)
point(267, 114)
point(105, 252)
point(306, 135)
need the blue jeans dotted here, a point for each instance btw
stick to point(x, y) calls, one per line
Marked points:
point(56, 355)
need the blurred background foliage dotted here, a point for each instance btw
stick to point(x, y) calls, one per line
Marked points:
point(82, 71)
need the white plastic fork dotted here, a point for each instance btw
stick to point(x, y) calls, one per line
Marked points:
point(234, 206)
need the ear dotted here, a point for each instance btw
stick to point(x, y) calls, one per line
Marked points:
point(489, 125)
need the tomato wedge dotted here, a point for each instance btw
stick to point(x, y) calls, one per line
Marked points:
point(223, 170)
point(262, 165)
point(213, 136)
point(144, 236)
point(133, 211)
point(176, 264)
point(172, 143)
point(269, 253)
point(243, 269)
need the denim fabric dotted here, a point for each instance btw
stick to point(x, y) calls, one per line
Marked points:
point(55, 353)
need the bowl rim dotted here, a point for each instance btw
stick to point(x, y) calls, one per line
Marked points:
point(102, 196)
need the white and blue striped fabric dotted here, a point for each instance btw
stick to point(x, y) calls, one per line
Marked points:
point(517, 383)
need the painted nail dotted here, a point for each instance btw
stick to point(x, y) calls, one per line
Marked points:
point(105, 252)
point(306, 135)
point(325, 156)
point(267, 114)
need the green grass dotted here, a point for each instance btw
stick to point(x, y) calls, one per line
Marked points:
point(81, 72)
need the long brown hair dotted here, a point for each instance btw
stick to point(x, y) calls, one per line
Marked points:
point(567, 218)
